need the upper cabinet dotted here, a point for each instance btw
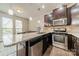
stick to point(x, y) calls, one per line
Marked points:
point(48, 20)
point(62, 13)
point(75, 15)
point(59, 16)
point(59, 13)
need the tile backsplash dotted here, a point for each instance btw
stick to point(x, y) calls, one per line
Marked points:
point(71, 28)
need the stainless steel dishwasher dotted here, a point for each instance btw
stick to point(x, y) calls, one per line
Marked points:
point(35, 47)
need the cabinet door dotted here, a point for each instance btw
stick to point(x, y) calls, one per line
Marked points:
point(77, 48)
point(45, 43)
point(50, 39)
point(74, 45)
point(70, 46)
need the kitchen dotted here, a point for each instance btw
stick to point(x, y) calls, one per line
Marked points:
point(39, 29)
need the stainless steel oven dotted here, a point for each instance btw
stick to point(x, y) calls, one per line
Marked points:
point(60, 39)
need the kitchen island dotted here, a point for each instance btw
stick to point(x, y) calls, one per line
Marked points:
point(29, 42)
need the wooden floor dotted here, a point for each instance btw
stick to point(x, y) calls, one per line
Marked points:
point(54, 51)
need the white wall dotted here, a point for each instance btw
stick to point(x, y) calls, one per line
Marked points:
point(0, 30)
point(34, 23)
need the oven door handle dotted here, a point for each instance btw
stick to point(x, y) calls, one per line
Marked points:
point(58, 35)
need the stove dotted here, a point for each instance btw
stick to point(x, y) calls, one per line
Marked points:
point(60, 38)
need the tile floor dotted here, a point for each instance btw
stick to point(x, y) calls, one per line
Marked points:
point(57, 52)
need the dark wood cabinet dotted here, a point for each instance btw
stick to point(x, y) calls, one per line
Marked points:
point(77, 47)
point(68, 15)
point(47, 41)
point(59, 13)
point(50, 39)
point(48, 20)
point(74, 45)
point(70, 43)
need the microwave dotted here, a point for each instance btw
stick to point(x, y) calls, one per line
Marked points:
point(62, 21)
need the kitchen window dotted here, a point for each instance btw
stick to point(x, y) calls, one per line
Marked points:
point(6, 36)
point(9, 27)
point(7, 30)
point(18, 29)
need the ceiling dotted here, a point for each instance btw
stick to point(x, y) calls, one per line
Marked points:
point(29, 9)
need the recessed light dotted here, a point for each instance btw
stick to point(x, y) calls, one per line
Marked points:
point(30, 18)
point(61, 8)
point(50, 15)
point(43, 6)
point(10, 11)
point(38, 21)
point(19, 11)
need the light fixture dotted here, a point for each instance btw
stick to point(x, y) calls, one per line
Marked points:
point(61, 8)
point(43, 6)
point(10, 12)
point(38, 21)
point(50, 15)
point(19, 11)
point(30, 18)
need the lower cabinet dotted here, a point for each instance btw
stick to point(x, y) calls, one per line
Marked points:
point(47, 41)
point(34, 47)
point(70, 46)
point(77, 47)
point(74, 45)
point(50, 39)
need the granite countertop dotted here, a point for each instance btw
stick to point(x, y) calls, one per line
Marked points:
point(76, 34)
point(22, 38)
point(28, 36)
